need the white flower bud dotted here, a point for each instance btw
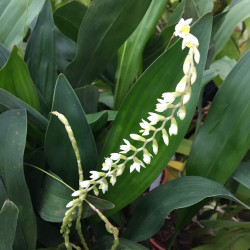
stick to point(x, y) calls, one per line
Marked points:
point(120, 169)
point(155, 146)
point(187, 96)
point(193, 75)
point(154, 118)
point(182, 112)
point(115, 156)
point(76, 193)
point(70, 204)
point(137, 137)
point(169, 97)
point(96, 191)
point(173, 130)
point(181, 86)
point(95, 175)
point(196, 55)
point(85, 184)
point(187, 64)
point(113, 180)
point(146, 156)
point(127, 147)
point(165, 137)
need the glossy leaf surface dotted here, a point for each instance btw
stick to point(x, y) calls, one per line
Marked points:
point(14, 14)
point(157, 204)
point(58, 148)
point(41, 55)
point(15, 78)
point(98, 41)
point(8, 223)
point(13, 126)
point(158, 78)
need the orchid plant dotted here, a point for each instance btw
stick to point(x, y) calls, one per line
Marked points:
point(156, 122)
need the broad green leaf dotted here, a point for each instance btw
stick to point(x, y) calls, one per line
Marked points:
point(55, 196)
point(225, 133)
point(8, 223)
point(9, 101)
point(97, 120)
point(208, 75)
point(98, 41)
point(65, 51)
point(41, 55)
point(4, 55)
point(15, 78)
point(13, 126)
point(58, 148)
point(16, 18)
point(184, 147)
point(158, 78)
point(216, 224)
point(68, 18)
point(106, 242)
point(190, 10)
point(88, 96)
point(205, 6)
point(130, 54)
point(157, 204)
point(177, 14)
point(3, 195)
point(236, 14)
point(242, 174)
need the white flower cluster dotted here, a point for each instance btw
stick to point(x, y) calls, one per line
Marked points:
point(174, 101)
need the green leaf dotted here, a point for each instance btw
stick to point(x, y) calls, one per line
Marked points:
point(97, 120)
point(88, 96)
point(68, 18)
point(9, 101)
point(16, 18)
point(99, 41)
point(15, 78)
point(157, 204)
point(177, 14)
point(55, 196)
point(58, 148)
point(13, 126)
point(190, 10)
point(140, 100)
point(4, 55)
point(208, 75)
point(106, 242)
point(242, 174)
point(225, 133)
point(205, 6)
point(8, 223)
point(130, 54)
point(236, 14)
point(41, 55)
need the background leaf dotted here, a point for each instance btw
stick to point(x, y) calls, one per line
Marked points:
point(150, 211)
point(12, 14)
point(130, 54)
point(4, 55)
point(58, 148)
point(41, 55)
point(68, 18)
point(158, 78)
point(8, 223)
point(15, 78)
point(98, 41)
point(13, 126)
point(242, 174)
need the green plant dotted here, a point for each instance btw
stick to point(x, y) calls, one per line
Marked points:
point(77, 81)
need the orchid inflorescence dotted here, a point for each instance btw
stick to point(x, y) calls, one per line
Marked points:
point(114, 165)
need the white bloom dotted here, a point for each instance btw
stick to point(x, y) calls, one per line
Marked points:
point(120, 169)
point(115, 156)
point(183, 27)
point(137, 137)
point(193, 76)
point(146, 127)
point(165, 137)
point(163, 105)
point(190, 41)
point(76, 193)
point(136, 165)
point(181, 86)
point(85, 184)
point(182, 112)
point(173, 130)
point(113, 180)
point(187, 96)
point(103, 185)
point(154, 118)
point(126, 147)
point(168, 97)
point(107, 164)
point(155, 146)
point(146, 156)
point(95, 175)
